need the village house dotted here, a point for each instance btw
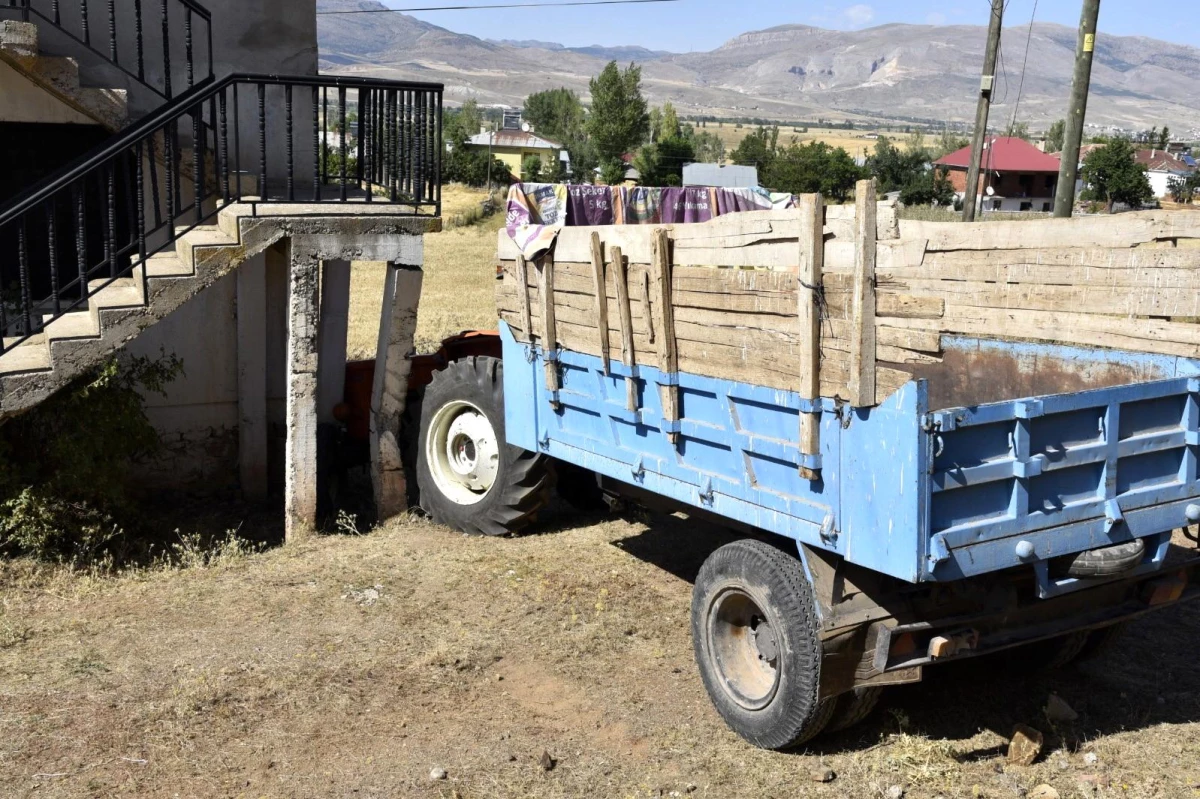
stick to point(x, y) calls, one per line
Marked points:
point(1014, 175)
point(1162, 166)
point(516, 141)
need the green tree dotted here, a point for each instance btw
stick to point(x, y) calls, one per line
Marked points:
point(670, 122)
point(894, 168)
point(947, 143)
point(556, 114)
point(618, 121)
point(1183, 189)
point(757, 149)
point(813, 167)
point(612, 172)
point(930, 187)
point(709, 148)
point(1056, 136)
point(1113, 176)
point(531, 169)
point(661, 164)
point(1164, 138)
point(1019, 130)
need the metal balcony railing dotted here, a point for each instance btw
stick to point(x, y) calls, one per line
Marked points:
point(248, 138)
point(138, 37)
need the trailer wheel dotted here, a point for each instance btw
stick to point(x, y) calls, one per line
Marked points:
point(754, 631)
point(853, 707)
point(469, 477)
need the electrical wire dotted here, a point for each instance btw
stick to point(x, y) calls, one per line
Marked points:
point(1021, 86)
point(492, 5)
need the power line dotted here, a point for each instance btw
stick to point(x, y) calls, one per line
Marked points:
point(494, 5)
point(1021, 86)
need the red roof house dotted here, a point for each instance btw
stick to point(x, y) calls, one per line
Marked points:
point(1021, 177)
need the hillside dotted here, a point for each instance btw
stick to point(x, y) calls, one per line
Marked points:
point(792, 71)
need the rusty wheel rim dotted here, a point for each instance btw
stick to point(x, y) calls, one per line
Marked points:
point(743, 648)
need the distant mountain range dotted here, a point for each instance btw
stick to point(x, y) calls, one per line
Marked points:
point(792, 72)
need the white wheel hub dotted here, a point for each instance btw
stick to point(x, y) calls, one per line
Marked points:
point(463, 452)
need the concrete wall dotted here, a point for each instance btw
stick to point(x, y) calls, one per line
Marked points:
point(198, 418)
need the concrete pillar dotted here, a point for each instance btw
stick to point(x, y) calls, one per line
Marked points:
point(335, 319)
point(252, 377)
point(397, 329)
point(300, 476)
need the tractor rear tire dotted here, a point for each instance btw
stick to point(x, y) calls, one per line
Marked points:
point(755, 635)
point(469, 477)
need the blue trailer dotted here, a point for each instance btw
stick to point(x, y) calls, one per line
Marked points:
point(923, 530)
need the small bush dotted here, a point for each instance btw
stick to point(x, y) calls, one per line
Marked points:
point(64, 465)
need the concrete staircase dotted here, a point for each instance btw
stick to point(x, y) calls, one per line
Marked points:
point(60, 76)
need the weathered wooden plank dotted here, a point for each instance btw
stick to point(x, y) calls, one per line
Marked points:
point(601, 296)
point(862, 353)
point(523, 281)
point(1123, 230)
point(628, 354)
point(545, 271)
point(1092, 330)
point(810, 255)
point(668, 356)
point(890, 304)
point(1083, 298)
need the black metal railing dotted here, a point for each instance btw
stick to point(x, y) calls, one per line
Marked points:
point(145, 39)
point(243, 138)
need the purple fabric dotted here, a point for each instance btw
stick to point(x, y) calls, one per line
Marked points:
point(589, 205)
point(732, 201)
point(688, 204)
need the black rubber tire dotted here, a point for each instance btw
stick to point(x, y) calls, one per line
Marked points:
point(776, 583)
point(523, 480)
point(1101, 641)
point(853, 707)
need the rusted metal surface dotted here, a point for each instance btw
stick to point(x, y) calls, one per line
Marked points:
point(974, 372)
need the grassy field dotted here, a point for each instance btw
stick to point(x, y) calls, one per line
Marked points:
point(353, 666)
point(852, 141)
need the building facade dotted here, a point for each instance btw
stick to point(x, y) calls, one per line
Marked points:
point(1014, 175)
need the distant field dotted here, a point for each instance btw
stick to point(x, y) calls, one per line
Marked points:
point(852, 141)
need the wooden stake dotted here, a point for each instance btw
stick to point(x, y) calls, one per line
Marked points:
point(550, 337)
point(808, 290)
point(627, 355)
point(668, 357)
point(523, 288)
point(601, 297)
point(862, 320)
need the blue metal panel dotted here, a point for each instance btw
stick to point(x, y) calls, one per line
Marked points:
point(738, 453)
point(1064, 473)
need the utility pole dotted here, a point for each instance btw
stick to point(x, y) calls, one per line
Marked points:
point(986, 84)
point(1068, 170)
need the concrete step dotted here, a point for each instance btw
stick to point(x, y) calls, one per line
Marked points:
point(30, 356)
point(77, 324)
point(192, 245)
point(166, 264)
point(124, 292)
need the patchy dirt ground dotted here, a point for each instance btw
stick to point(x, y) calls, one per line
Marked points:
point(355, 666)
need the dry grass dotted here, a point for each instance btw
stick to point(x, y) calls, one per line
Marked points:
point(459, 282)
point(352, 666)
point(852, 141)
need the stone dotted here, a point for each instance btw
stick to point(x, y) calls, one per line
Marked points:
point(823, 774)
point(1058, 711)
point(1025, 746)
point(895, 792)
point(1093, 781)
point(1042, 791)
point(437, 773)
point(1090, 758)
point(546, 762)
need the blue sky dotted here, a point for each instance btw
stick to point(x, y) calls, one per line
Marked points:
point(705, 24)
